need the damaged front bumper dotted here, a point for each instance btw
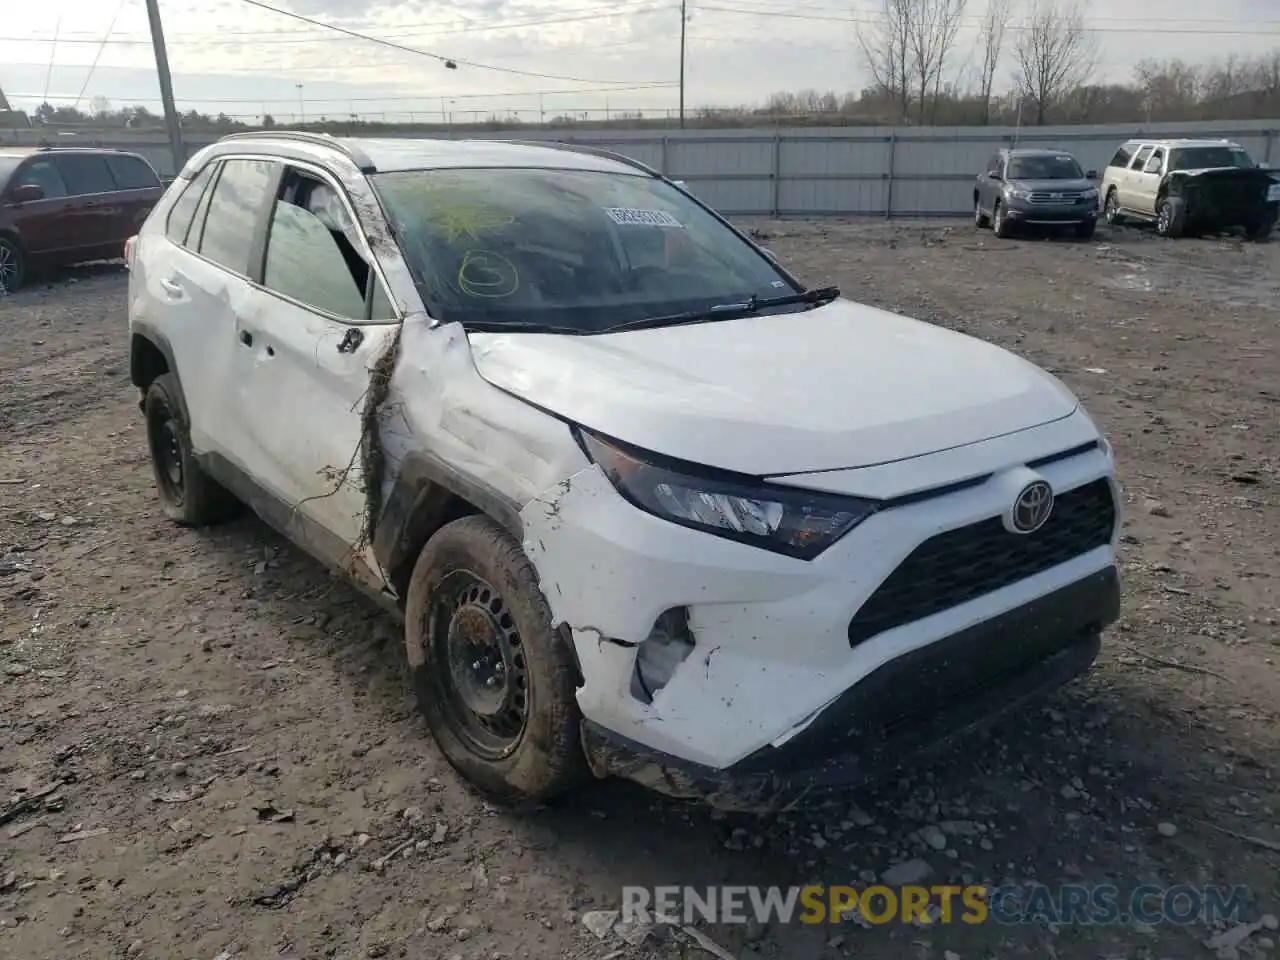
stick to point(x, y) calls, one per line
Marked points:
point(908, 707)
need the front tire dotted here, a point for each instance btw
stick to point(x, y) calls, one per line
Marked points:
point(496, 684)
point(188, 495)
point(1000, 224)
point(1171, 216)
point(1085, 231)
point(13, 267)
point(1261, 230)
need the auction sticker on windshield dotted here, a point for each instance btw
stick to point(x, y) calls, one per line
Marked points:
point(626, 216)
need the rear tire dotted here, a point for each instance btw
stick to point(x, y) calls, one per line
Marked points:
point(495, 683)
point(1111, 209)
point(13, 267)
point(1171, 218)
point(980, 220)
point(188, 495)
point(1260, 231)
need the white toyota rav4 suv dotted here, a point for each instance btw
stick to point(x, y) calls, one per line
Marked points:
point(649, 507)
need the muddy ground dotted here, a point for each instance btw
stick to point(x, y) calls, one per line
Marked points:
point(232, 746)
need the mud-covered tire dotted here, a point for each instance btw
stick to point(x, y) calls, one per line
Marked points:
point(1260, 231)
point(188, 495)
point(1171, 218)
point(1085, 231)
point(1111, 209)
point(1000, 224)
point(13, 265)
point(473, 589)
point(980, 220)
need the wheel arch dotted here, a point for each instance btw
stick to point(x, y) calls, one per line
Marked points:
point(426, 494)
point(150, 355)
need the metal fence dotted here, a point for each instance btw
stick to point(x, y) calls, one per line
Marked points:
point(834, 171)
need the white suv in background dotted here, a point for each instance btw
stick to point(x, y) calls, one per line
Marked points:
point(649, 506)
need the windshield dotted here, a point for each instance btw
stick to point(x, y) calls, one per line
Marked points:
point(576, 250)
point(1047, 167)
point(7, 166)
point(1207, 158)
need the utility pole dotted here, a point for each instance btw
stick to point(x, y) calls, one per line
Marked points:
point(684, 17)
point(166, 87)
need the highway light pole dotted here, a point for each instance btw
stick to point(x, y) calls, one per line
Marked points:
point(684, 17)
point(166, 87)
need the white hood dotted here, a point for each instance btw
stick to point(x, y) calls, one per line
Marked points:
point(836, 387)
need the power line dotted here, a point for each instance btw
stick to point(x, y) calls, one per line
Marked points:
point(426, 53)
point(98, 56)
point(386, 99)
point(312, 38)
point(1201, 31)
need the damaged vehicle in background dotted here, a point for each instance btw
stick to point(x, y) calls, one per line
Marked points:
point(649, 506)
point(1189, 187)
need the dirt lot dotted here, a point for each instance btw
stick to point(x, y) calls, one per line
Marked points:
point(234, 747)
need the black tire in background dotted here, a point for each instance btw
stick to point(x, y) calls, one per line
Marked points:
point(980, 219)
point(13, 267)
point(1085, 231)
point(1171, 218)
point(188, 495)
point(496, 684)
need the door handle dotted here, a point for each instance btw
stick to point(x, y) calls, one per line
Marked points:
point(171, 287)
point(246, 338)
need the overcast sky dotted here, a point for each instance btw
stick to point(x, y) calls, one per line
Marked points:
point(228, 56)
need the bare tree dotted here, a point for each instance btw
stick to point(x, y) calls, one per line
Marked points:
point(1056, 52)
point(930, 41)
point(995, 22)
point(886, 48)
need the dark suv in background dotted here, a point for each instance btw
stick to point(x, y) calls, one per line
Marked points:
point(1040, 187)
point(63, 205)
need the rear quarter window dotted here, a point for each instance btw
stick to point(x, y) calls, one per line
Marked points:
point(132, 173)
point(239, 199)
point(1122, 157)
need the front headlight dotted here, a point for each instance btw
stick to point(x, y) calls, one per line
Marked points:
point(1020, 194)
point(1091, 194)
point(796, 523)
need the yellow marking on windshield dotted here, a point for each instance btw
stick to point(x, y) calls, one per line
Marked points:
point(470, 220)
point(484, 273)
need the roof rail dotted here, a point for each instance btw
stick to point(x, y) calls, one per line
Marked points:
point(592, 151)
point(354, 154)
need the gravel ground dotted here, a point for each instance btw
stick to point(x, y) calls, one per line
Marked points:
point(233, 751)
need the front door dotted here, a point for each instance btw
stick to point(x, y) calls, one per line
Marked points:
point(48, 225)
point(98, 208)
point(308, 344)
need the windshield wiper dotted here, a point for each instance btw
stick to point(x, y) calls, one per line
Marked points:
point(724, 311)
point(518, 326)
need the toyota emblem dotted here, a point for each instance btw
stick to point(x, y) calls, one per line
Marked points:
point(1032, 508)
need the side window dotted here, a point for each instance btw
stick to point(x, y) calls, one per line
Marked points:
point(86, 174)
point(993, 164)
point(231, 221)
point(1153, 164)
point(130, 173)
point(1140, 159)
point(183, 211)
point(43, 174)
point(313, 255)
point(1122, 157)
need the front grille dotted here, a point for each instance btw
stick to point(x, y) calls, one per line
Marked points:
point(962, 565)
point(1060, 197)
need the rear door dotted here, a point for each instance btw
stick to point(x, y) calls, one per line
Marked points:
point(138, 188)
point(198, 278)
point(97, 208)
point(307, 343)
point(49, 225)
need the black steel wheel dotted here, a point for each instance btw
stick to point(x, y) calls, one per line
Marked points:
point(188, 495)
point(495, 682)
point(484, 690)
